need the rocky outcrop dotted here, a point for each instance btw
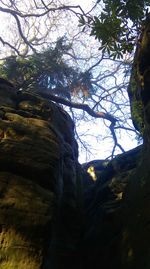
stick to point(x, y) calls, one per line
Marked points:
point(52, 213)
point(38, 178)
point(105, 207)
point(117, 231)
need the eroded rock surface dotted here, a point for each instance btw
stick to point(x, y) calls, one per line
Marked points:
point(105, 210)
point(52, 214)
point(38, 160)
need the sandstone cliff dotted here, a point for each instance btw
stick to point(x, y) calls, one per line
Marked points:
point(52, 215)
point(38, 170)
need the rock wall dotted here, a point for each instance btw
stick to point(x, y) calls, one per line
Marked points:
point(38, 178)
point(105, 211)
point(52, 214)
point(117, 210)
point(117, 231)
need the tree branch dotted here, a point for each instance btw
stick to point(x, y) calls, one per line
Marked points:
point(85, 107)
point(116, 144)
point(18, 13)
point(21, 33)
point(8, 44)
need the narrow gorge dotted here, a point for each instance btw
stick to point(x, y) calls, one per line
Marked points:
point(52, 214)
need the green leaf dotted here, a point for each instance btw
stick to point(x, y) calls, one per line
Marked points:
point(82, 20)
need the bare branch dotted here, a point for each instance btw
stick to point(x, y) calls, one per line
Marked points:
point(36, 26)
point(106, 116)
point(116, 144)
point(8, 44)
point(21, 33)
point(63, 7)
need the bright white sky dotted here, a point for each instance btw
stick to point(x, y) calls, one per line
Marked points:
point(95, 132)
point(101, 144)
point(85, 4)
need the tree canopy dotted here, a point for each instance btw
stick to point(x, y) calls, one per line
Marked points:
point(118, 25)
point(47, 69)
point(73, 69)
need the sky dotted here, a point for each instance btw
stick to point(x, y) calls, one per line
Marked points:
point(97, 136)
point(93, 132)
point(85, 4)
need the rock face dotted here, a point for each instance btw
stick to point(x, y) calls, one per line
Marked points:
point(117, 206)
point(105, 209)
point(38, 170)
point(52, 214)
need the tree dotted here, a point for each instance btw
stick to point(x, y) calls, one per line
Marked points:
point(122, 26)
point(118, 26)
point(32, 23)
point(37, 63)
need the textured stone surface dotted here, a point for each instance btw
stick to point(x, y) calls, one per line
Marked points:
point(117, 231)
point(52, 214)
point(38, 157)
point(105, 211)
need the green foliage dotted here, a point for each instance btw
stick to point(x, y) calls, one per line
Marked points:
point(47, 69)
point(118, 25)
point(137, 115)
point(137, 110)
